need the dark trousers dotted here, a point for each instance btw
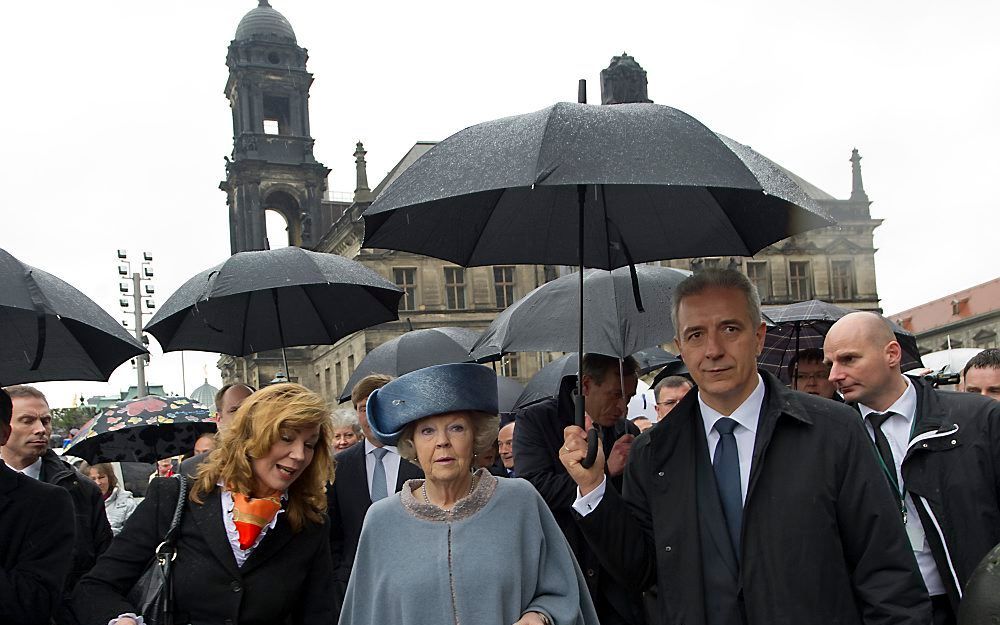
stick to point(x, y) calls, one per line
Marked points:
point(941, 610)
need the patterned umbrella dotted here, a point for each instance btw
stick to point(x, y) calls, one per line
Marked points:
point(142, 430)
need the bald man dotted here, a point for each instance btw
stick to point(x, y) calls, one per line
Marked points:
point(940, 452)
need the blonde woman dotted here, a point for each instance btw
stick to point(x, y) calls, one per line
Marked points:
point(253, 546)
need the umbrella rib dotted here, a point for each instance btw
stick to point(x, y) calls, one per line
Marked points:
point(312, 302)
point(491, 211)
point(536, 175)
point(243, 329)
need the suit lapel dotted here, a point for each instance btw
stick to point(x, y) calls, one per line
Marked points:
point(208, 517)
point(710, 514)
point(273, 542)
point(8, 483)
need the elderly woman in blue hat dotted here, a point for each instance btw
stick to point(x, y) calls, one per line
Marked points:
point(459, 546)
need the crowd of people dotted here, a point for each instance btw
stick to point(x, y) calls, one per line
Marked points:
point(856, 495)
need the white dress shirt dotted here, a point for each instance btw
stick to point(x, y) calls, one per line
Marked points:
point(897, 430)
point(33, 470)
point(390, 461)
point(746, 416)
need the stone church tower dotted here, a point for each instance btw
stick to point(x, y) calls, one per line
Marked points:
point(272, 166)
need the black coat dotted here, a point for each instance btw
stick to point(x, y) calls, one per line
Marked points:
point(822, 539)
point(952, 472)
point(286, 579)
point(348, 500)
point(93, 532)
point(537, 439)
point(36, 548)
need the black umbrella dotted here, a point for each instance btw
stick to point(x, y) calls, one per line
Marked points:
point(508, 390)
point(414, 350)
point(142, 430)
point(257, 301)
point(634, 182)
point(653, 358)
point(804, 325)
point(548, 381)
point(51, 331)
point(546, 318)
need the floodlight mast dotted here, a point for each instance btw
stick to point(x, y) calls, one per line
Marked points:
point(138, 301)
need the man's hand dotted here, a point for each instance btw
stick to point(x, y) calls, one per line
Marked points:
point(572, 453)
point(619, 455)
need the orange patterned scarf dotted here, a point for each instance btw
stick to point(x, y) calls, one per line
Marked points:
point(251, 515)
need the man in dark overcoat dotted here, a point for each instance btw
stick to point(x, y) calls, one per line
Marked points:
point(608, 384)
point(36, 544)
point(940, 451)
point(27, 452)
point(753, 504)
point(360, 482)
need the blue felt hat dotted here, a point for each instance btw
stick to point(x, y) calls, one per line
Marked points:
point(427, 392)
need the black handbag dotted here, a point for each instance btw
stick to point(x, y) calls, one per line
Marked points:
point(153, 594)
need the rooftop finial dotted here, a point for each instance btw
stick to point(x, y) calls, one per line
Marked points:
point(361, 193)
point(624, 81)
point(263, 3)
point(857, 185)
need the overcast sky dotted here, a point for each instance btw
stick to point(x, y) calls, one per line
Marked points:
point(115, 124)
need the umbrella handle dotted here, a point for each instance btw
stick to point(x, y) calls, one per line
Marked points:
point(581, 421)
point(588, 462)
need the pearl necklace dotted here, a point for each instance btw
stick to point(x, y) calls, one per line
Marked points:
point(472, 486)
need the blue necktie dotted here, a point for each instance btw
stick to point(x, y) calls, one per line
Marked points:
point(378, 475)
point(727, 478)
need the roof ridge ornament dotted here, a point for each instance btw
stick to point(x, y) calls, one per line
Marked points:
point(857, 185)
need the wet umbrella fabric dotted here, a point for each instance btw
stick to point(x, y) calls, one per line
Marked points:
point(659, 185)
point(508, 391)
point(256, 301)
point(142, 430)
point(51, 331)
point(547, 318)
point(653, 358)
point(804, 325)
point(414, 350)
point(547, 382)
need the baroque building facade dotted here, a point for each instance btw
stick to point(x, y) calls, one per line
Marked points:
point(835, 264)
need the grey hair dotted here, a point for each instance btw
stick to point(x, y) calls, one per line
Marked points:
point(486, 428)
point(671, 381)
point(346, 417)
point(719, 279)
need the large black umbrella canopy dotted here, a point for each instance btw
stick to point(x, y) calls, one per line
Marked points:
point(256, 301)
point(659, 185)
point(145, 429)
point(51, 331)
point(803, 325)
point(414, 350)
point(546, 318)
point(633, 182)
